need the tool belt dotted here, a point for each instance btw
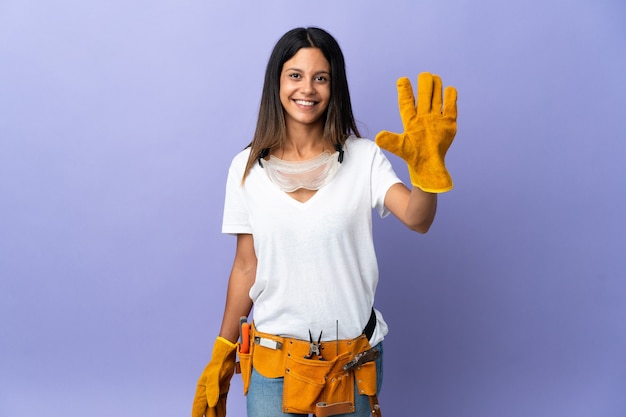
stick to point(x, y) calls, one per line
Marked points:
point(323, 387)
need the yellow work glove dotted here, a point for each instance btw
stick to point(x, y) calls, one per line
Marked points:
point(429, 130)
point(213, 385)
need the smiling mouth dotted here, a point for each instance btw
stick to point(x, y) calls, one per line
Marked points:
point(305, 102)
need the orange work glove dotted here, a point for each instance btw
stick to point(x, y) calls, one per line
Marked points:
point(429, 130)
point(213, 385)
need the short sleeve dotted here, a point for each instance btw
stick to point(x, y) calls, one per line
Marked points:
point(236, 217)
point(382, 178)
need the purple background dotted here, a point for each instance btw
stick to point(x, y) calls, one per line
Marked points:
point(118, 120)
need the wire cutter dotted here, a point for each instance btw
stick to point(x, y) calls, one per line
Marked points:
point(315, 347)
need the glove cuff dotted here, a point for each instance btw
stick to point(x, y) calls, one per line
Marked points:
point(220, 370)
point(226, 342)
point(431, 181)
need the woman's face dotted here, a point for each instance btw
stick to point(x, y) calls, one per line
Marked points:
point(305, 87)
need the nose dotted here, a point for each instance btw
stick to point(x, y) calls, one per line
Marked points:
point(308, 87)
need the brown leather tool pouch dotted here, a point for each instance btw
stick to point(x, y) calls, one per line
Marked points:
point(308, 382)
point(365, 377)
point(267, 361)
point(244, 367)
point(245, 363)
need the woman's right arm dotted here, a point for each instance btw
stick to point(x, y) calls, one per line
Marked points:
point(242, 276)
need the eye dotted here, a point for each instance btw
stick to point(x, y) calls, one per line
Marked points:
point(322, 78)
point(294, 75)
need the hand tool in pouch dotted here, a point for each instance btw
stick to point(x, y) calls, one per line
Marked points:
point(244, 334)
point(315, 347)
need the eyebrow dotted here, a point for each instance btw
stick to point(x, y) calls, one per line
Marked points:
point(299, 70)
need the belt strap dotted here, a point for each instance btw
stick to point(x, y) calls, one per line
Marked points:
point(370, 326)
point(374, 406)
point(326, 410)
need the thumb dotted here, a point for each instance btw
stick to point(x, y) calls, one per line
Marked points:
point(389, 141)
point(199, 403)
point(212, 394)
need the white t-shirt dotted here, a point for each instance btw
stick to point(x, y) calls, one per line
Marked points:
point(316, 264)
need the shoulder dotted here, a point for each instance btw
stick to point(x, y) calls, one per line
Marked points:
point(360, 145)
point(240, 160)
point(362, 148)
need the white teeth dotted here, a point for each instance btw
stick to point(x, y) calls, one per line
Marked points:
point(305, 103)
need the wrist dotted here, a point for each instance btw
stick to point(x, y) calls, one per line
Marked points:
point(226, 342)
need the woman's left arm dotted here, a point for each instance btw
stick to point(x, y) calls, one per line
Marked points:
point(414, 208)
point(429, 129)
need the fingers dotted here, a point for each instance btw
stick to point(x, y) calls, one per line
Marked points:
point(406, 99)
point(449, 102)
point(437, 95)
point(429, 97)
point(424, 92)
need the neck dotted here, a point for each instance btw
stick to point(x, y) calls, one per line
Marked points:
point(302, 143)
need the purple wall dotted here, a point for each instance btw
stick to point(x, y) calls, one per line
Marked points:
point(118, 120)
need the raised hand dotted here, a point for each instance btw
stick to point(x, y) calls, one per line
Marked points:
point(429, 129)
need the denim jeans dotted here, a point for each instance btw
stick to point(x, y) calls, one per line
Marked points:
point(265, 395)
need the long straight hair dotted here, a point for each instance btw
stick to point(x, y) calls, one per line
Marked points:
point(338, 119)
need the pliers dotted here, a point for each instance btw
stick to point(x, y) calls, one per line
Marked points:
point(315, 347)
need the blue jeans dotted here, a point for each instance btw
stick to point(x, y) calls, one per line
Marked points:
point(265, 395)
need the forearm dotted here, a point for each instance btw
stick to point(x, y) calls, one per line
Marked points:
point(238, 304)
point(415, 208)
point(421, 210)
point(242, 276)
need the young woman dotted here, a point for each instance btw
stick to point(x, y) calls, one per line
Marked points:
point(299, 199)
